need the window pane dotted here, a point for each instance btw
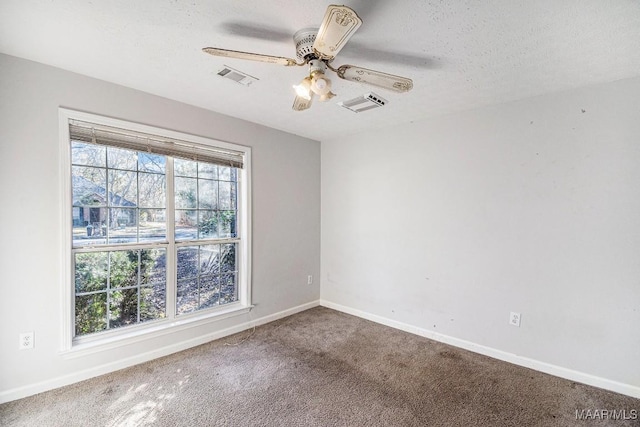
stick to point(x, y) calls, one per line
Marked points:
point(89, 198)
point(151, 190)
point(118, 158)
point(234, 196)
point(207, 276)
point(148, 162)
point(225, 195)
point(224, 174)
point(228, 258)
point(88, 226)
point(123, 307)
point(226, 224)
point(207, 194)
point(153, 272)
point(185, 168)
point(152, 302)
point(228, 289)
point(207, 170)
point(89, 186)
point(186, 193)
point(87, 154)
point(123, 188)
point(209, 259)
point(123, 227)
point(152, 225)
point(80, 235)
point(208, 224)
point(154, 268)
point(79, 221)
point(123, 269)
point(187, 296)
point(186, 225)
point(91, 270)
point(97, 238)
point(91, 313)
point(209, 291)
point(187, 262)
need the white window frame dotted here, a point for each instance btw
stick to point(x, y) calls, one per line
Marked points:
point(114, 338)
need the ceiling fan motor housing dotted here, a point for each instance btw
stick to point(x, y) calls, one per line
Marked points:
point(304, 44)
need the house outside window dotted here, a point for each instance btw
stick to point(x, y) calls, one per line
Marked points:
point(158, 228)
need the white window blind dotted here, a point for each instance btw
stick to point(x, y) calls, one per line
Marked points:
point(139, 141)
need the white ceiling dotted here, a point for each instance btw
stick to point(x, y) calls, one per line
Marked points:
point(460, 54)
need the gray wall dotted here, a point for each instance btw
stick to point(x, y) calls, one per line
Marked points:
point(445, 226)
point(286, 214)
point(441, 226)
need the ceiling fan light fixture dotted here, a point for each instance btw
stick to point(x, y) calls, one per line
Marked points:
point(320, 84)
point(303, 90)
point(327, 96)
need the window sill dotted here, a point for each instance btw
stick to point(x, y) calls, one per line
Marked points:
point(95, 344)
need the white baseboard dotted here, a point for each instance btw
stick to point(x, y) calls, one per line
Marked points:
point(31, 389)
point(558, 371)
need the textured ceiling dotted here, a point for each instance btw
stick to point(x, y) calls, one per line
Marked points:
point(460, 54)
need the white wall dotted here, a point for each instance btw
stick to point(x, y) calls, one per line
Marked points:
point(445, 226)
point(286, 221)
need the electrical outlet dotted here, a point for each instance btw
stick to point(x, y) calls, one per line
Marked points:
point(26, 340)
point(309, 280)
point(514, 319)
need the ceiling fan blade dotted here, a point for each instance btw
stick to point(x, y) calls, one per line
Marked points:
point(374, 78)
point(300, 103)
point(359, 51)
point(280, 60)
point(338, 25)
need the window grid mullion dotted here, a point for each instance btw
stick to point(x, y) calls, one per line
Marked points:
point(107, 237)
point(219, 271)
point(137, 213)
point(198, 212)
point(120, 247)
point(139, 287)
point(171, 280)
point(199, 276)
point(137, 210)
point(216, 212)
point(223, 240)
point(108, 311)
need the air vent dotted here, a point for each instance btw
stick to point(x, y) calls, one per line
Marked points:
point(365, 102)
point(237, 76)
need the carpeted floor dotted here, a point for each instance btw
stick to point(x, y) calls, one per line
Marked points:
point(321, 368)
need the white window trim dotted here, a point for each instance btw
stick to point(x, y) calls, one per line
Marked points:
point(135, 333)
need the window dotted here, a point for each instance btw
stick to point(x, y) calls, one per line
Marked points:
point(158, 228)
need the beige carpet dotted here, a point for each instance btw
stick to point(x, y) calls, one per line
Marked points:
point(321, 368)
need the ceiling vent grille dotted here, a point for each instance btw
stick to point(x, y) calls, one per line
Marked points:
point(237, 76)
point(368, 101)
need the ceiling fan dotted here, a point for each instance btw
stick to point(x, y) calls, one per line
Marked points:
point(317, 48)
